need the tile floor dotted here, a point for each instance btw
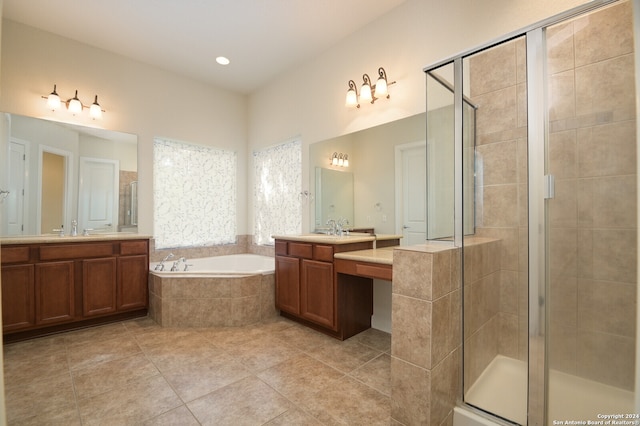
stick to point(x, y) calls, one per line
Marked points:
point(136, 372)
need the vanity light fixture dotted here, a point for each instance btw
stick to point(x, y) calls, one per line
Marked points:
point(74, 105)
point(368, 92)
point(340, 160)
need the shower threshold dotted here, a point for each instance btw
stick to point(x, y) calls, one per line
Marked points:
point(501, 389)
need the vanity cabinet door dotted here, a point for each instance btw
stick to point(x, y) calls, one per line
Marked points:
point(288, 284)
point(98, 286)
point(18, 308)
point(54, 288)
point(317, 293)
point(132, 282)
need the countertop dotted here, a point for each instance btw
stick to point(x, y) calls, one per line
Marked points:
point(335, 239)
point(54, 238)
point(383, 256)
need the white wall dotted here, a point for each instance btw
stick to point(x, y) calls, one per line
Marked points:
point(137, 98)
point(309, 100)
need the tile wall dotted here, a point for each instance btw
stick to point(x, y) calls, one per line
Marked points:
point(593, 217)
point(426, 346)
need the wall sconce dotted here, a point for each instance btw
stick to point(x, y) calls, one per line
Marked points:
point(340, 160)
point(368, 92)
point(74, 105)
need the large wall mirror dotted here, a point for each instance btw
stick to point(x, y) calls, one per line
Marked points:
point(387, 166)
point(56, 173)
point(392, 192)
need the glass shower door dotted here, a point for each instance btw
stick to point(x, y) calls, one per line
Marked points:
point(591, 217)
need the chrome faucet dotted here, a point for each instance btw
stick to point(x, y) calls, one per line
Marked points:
point(74, 228)
point(176, 263)
point(340, 225)
point(332, 227)
point(160, 266)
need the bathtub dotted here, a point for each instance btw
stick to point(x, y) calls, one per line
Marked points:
point(233, 264)
point(222, 291)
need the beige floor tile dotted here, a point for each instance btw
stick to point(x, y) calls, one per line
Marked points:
point(193, 380)
point(295, 417)
point(375, 338)
point(103, 332)
point(181, 352)
point(136, 372)
point(35, 398)
point(303, 337)
point(180, 416)
point(376, 373)
point(350, 402)
point(247, 402)
point(262, 352)
point(344, 356)
point(134, 403)
point(105, 376)
point(33, 365)
point(300, 377)
point(155, 337)
point(97, 351)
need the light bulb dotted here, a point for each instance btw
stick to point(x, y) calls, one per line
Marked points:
point(75, 106)
point(95, 111)
point(53, 100)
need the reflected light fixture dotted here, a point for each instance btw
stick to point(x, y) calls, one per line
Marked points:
point(368, 92)
point(74, 105)
point(340, 160)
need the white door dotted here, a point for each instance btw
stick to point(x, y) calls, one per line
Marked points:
point(98, 194)
point(14, 210)
point(411, 192)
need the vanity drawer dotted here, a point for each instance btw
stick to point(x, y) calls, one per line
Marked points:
point(75, 251)
point(324, 253)
point(302, 250)
point(282, 248)
point(133, 247)
point(15, 254)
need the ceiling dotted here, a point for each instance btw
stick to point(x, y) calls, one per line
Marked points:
point(262, 38)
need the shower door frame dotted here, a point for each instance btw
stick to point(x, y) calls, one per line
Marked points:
point(540, 189)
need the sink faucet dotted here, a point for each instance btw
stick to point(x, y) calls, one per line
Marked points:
point(340, 225)
point(74, 228)
point(333, 227)
point(160, 266)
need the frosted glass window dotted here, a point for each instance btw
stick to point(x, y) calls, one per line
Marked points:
point(194, 195)
point(276, 197)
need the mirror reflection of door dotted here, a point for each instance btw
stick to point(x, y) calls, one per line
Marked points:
point(412, 207)
point(14, 205)
point(53, 190)
point(98, 194)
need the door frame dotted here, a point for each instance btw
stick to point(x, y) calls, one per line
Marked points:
point(68, 178)
point(399, 184)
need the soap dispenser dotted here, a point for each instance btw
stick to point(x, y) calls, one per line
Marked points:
point(74, 228)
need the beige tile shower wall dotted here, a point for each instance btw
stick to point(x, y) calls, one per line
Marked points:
point(426, 363)
point(496, 303)
point(593, 217)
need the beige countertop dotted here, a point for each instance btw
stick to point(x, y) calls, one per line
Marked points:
point(382, 256)
point(54, 238)
point(335, 239)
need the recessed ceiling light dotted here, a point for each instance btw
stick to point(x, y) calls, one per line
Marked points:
point(222, 60)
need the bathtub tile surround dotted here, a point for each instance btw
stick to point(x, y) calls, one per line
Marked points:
point(426, 364)
point(268, 373)
point(211, 302)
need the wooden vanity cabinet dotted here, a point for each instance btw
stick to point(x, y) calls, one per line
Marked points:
point(54, 286)
point(307, 291)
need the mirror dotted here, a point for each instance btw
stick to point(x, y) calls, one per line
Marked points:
point(57, 173)
point(334, 197)
point(373, 156)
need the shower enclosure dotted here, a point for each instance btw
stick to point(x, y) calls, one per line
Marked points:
point(548, 178)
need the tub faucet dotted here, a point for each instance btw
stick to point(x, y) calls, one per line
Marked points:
point(160, 266)
point(176, 263)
